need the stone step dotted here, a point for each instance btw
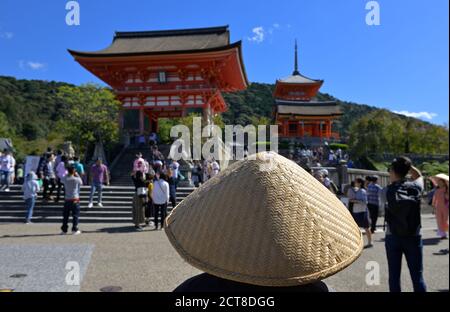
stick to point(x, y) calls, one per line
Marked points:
point(122, 188)
point(38, 210)
point(117, 205)
point(16, 213)
point(20, 204)
point(56, 219)
point(106, 194)
point(106, 206)
point(57, 209)
point(106, 197)
point(120, 174)
point(86, 195)
point(114, 188)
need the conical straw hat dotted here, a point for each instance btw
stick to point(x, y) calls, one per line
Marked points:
point(265, 222)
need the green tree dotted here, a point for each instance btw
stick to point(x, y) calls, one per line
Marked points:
point(90, 115)
point(5, 130)
point(384, 132)
point(260, 121)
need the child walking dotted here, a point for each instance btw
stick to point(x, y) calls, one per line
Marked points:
point(30, 189)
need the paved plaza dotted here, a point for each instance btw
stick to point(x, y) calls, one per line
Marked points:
point(36, 258)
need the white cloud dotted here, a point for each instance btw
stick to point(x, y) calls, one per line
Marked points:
point(35, 65)
point(421, 115)
point(276, 25)
point(31, 65)
point(258, 34)
point(6, 35)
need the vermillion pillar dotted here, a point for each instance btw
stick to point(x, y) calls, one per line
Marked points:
point(141, 121)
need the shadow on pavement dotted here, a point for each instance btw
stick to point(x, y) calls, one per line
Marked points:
point(29, 235)
point(431, 241)
point(442, 252)
point(111, 230)
point(114, 230)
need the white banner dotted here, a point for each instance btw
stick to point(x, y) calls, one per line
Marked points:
point(31, 164)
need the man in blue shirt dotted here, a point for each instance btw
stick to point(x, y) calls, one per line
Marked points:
point(79, 168)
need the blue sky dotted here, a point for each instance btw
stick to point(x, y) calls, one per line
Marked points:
point(402, 64)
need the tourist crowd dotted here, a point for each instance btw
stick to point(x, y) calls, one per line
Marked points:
point(401, 201)
point(156, 180)
point(320, 156)
point(57, 173)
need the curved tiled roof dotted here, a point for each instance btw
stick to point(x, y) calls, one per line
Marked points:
point(308, 108)
point(164, 41)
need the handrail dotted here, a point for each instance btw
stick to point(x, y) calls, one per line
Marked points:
point(117, 158)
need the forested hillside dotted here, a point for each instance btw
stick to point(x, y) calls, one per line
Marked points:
point(257, 101)
point(31, 109)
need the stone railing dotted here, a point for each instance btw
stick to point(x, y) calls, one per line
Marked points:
point(383, 177)
point(414, 157)
point(342, 175)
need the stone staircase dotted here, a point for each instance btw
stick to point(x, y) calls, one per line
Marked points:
point(120, 173)
point(117, 201)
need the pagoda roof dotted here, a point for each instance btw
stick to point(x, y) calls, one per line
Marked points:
point(165, 42)
point(296, 77)
point(310, 108)
point(299, 79)
point(305, 103)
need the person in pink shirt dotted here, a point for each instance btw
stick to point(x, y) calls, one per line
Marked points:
point(440, 203)
point(140, 164)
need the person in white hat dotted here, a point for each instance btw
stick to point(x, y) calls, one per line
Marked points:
point(237, 230)
point(440, 203)
point(322, 176)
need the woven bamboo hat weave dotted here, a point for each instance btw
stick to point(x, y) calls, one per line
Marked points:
point(265, 222)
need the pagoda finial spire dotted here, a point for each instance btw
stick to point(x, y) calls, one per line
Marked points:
point(296, 72)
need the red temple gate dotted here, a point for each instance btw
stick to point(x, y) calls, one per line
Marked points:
point(168, 73)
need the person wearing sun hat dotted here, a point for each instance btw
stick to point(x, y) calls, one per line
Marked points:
point(263, 223)
point(440, 203)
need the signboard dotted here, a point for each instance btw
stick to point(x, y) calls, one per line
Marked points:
point(31, 164)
